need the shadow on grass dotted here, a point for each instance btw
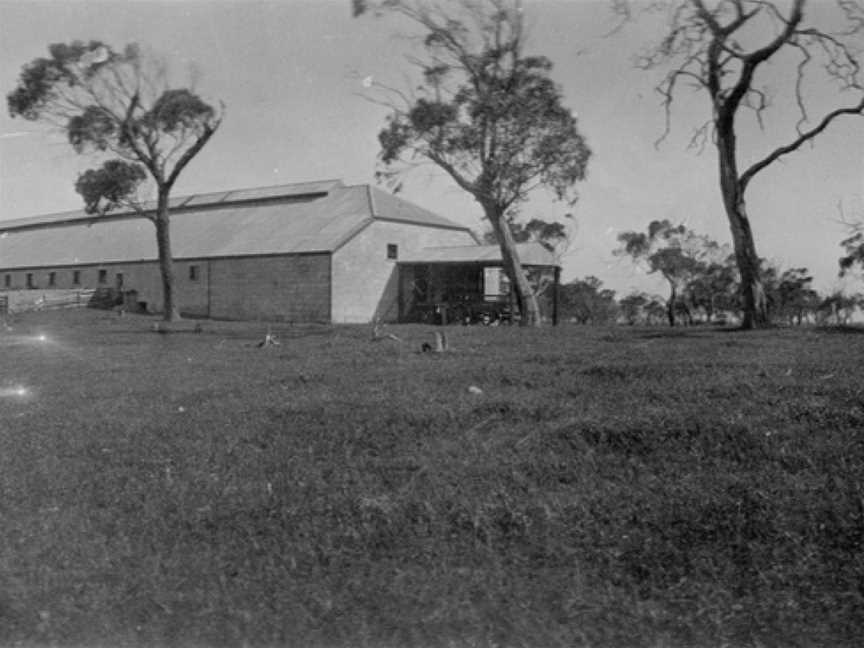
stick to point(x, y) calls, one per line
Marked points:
point(841, 329)
point(198, 328)
point(671, 333)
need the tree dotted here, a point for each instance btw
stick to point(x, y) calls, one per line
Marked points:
point(714, 288)
point(796, 299)
point(639, 307)
point(118, 103)
point(550, 234)
point(674, 251)
point(655, 310)
point(715, 46)
point(487, 115)
point(587, 301)
point(853, 247)
point(838, 308)
point(632, 307)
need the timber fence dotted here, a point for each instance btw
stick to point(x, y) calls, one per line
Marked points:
point(22, 301)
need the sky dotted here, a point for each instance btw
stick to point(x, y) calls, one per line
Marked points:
point(291, 75)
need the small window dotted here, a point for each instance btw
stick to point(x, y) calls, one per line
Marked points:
point(30, 282)
point(7, 280)
point(392, 251)
point(52, 279)
point(194, 273)
point(76, 277)
point(103, 276)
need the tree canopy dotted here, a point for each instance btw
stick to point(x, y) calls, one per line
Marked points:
point(486, 114)
point(587, 302)
point(108, 101)
point(115, 184)
point(550, 234)
point(118, 103)
point(853, 247)
point(676, 252)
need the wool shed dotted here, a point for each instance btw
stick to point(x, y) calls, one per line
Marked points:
point(308, 252)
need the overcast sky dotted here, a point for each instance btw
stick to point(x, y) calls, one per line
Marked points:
point(291, 75)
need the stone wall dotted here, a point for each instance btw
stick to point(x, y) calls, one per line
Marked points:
point(291, 288)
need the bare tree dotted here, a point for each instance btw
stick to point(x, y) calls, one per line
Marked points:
point(486, 114)
point(720, 47)
point(119, 103)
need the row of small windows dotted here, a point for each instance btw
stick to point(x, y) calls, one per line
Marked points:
point(194, 275)
point(52, 279)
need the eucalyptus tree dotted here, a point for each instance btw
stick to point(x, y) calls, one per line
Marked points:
point(724, 48)
point(838, 308)
point(586, 301)
point(675, 252)
point(486, 114)
point(118, 103)
point(655, 310)
point(795, 296)
point(853, 248)
point(552, 235)
point(632, 307)
point(714, 289)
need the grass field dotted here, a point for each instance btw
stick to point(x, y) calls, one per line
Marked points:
point(607, 487)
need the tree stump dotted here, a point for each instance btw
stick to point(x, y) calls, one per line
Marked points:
point(269, 340)
point(378, 333)
point(439, 346)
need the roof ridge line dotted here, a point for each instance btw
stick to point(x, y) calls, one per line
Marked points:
point(373, 210)
point(80, 214)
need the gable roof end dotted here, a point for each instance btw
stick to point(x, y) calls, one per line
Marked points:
point(386, 206)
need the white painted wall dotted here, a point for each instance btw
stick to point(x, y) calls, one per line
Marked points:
point(365, 281)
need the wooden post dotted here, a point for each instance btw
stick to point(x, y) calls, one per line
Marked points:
point(555, 285)
point(400, 293)
point(440, 342)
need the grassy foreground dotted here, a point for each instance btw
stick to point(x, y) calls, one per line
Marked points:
point(608, 487)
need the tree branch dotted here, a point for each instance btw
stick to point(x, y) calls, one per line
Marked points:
point(796, 144)
point(452, 171)
point(192, 151)
point(753, 60)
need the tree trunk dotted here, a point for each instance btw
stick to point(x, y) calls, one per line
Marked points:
point(170, 312)
point(688, 314)
point(670, 306)
point(752, 293)
point(526, 300)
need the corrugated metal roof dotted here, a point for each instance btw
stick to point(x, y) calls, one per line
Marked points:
point(530, 254)
point(390, 207)
point(46, 219)
point(278, 191)
point(318, 187)
point(307, 221)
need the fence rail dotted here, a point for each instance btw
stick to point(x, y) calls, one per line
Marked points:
point(21, 301)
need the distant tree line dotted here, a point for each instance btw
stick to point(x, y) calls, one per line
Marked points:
point(704, 285)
